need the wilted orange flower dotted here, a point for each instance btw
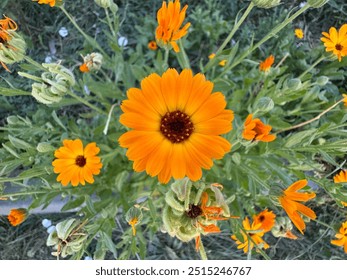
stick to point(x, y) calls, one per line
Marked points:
point(133, 222)
point(50, 2)
point(336, 42)
point(176, 121)
point(152, 45)
point(254, 233)
point(299, 33)
point(341, 237)
point(344, 99)
point(341, 177)
point(256, 130)
point(266, 219)
point(7, 24)
point(267, 63)
point(17, 216)
point(75, 164)
point(170, 19)
point(289, 201)
point(84, 68)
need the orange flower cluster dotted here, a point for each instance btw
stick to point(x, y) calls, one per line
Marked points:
point(170, 18)
point(336, 41)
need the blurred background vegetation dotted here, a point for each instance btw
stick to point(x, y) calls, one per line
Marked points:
point(211, 21)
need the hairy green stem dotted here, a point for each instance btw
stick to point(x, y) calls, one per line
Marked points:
point(109, 22)
point(183, 55)
point(202, 251)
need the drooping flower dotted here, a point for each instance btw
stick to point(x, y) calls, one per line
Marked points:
point(341, 237)
point(133, 217)
point(283, 228)
point(170, 18)
point(267, 63)
point(176, 121)
point(266, 219)
point(152, 45)
point(17, 216)
point(256, 130)
point(75, 164)
point(91, 62)
point(341, 177)
point(336, 42)
point(49, 2)
point(289, 200)
point(299, 33)
point(254, 236)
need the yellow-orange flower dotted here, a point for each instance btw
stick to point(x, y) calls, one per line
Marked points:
point(133, 222)
point(341, 237)
point(289, 201)
point(7, 24)
point(170, 18)
point(344, 99)
point(254, 236)
point(152, 45)
point(266, 219)
point(75, 164)
point(299, 33)
point(341, 177)
point(223, 62)
point(49, 2)
point(176, 121)
point(212, 55)
point(17, 216)
point(267, 63)
point(336, 42)
point(256, 130)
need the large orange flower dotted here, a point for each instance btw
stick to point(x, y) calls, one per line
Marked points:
point(170, 18)
point(75, 164)
point(257, 130)
point(341, 177)
point(289, 201)
point(253, 236)
point(336, 42)
point(176, 121)
point(341, 237)
point(17, 216)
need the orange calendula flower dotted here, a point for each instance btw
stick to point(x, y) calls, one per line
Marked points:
point(49, 2)
point(17, 216)
point(341, 177)
point(84, 68)
point(266, 219)
point(152, 45)
point(254, 236)
point(267, 63)
point(344, 99)
point(170, 18)
point(7, 24)
point(341, 237)
point(176, 121)
point(75, 164)
point(336, 42)
point(289, 201)
point(212, 55)
point(299, 33)
point(256, 130)
point(223, 62)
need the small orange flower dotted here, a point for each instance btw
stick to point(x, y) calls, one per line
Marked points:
point(299, 33)
point(341, 177)
point(257, 130)
point(344, 203)
point(341, 237)
point(17, 216)
point(75, 164)
point(50, 2)
point(133, 222)
point(289, 201)
point(267, 63)
point(84, 68)
point(336, 42)
point(170, 19)
point(254, 235)
point(223, 62)
point(344, 99)
point(212, 55)
point(152, 45)
point(266, 219)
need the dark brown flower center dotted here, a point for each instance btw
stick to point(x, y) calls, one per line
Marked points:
point(261, 218)
point(338, 47)
point(81, 161)
point(176, 126)
point(194, 211)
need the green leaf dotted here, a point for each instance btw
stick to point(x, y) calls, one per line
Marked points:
point(73, 203)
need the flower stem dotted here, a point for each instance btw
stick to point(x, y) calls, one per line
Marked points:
point(183, 55)
point(312, 66)
point(166, 59)
point(231, 34)
point(311, 120)
point(87, 37)
point(109, 23)
point(272, 33)
point(202, 251)
point(85, 102)
point(109, 118)
point(34, 63)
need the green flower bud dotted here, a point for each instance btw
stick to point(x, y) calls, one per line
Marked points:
point(264, 104)
point(104, 3)
point(282, 228)
point(93, 61)
point(294, 84)
point(317, 3)
point(44, 147)
point(322, 80)
point(266, 4)
point(13, 50)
